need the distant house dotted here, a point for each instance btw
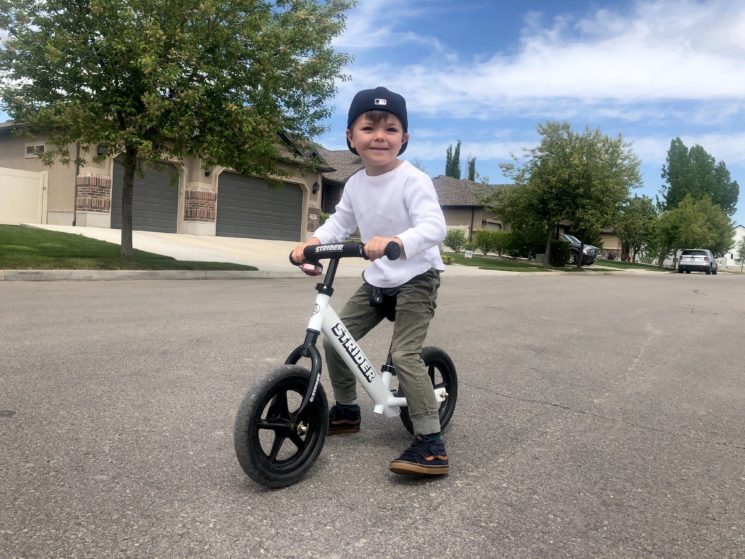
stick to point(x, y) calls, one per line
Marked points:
point(342, 165)
point(731, 256)
point(461, 203)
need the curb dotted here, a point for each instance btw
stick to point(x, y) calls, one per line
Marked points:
point(113, 275)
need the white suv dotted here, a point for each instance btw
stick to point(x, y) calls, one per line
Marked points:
point(697, 260)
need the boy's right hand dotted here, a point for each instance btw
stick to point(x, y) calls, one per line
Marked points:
point(297, 255)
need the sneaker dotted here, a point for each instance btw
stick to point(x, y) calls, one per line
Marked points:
point(344, 419)
point(424, 456)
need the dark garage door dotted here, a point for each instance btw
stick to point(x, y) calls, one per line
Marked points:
point(247, 207)
point(155, 203)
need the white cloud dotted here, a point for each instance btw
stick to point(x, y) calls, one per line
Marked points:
point(656, 53)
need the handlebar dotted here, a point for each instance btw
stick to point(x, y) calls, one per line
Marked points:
point(344, 250)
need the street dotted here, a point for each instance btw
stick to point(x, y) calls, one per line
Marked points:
point(598, 416)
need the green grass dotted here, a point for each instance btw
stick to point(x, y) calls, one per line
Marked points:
point(495, 263)
point(28, 248)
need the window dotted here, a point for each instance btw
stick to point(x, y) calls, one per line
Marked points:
point(34, 150)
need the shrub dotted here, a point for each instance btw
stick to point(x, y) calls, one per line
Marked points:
point(492, 241)
point(446, 259)
point(455, 239)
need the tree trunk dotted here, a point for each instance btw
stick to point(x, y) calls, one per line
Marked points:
point(130, 165)
point(581, 255)
point(547, 257)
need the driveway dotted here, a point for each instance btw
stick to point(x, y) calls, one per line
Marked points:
point(598, 416)
point(267, 256)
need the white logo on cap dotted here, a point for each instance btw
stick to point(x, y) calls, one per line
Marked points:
point(380, 101)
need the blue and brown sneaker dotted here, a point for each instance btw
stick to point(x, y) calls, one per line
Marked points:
point(425, 456)
point(344, 418)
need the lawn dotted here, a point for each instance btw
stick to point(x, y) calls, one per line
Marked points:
point(29, 248)
point(504, 264)
point(508, 264)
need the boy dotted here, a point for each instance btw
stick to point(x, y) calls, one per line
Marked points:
point(389, 200)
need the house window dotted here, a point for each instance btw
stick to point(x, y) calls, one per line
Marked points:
point(491, 225)
point(34, 150)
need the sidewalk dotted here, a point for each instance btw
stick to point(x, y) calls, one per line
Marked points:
point(270, 257)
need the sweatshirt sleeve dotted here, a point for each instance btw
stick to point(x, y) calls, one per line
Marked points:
point(428, 228)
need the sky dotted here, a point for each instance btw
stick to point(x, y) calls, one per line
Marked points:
point(489, 72)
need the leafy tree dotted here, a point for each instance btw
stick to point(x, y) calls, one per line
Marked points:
point(154, 80)
point(693, 224)
point(452, 161)
point(635, 226)
point(697, 174)
point(581, 178)
point(471, 163)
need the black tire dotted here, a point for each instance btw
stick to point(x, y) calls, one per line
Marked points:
point(442, 374)
point(680, 270)
point(273, 446)
point(708, 272)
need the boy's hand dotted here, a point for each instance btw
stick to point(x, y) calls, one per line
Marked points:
point(375, 247)
point(297, 253)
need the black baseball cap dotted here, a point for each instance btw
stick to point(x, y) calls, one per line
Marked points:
point(378, 99)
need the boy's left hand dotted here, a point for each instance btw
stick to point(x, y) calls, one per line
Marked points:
point(375, 247)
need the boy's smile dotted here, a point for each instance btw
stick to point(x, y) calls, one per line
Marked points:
point(378, 143)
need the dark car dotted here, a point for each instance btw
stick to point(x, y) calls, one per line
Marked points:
point(697, 260)
point(590, 252)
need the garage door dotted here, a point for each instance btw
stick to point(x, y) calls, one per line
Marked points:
point(248, 207)
point(22, 196)
point(155, 200)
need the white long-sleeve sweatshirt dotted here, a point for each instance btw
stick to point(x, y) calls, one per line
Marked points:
point(401, 203)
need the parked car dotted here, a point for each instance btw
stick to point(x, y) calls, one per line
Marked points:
point(590, 252)
point(697, 260)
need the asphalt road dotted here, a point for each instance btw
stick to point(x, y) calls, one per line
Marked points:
point(598, 416)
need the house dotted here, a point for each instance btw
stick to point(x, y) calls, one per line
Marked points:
point(731, 256)
point(462, 206)
point(185, 197)
point(343, 164)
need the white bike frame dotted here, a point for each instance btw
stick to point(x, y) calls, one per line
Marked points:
point(324, 319)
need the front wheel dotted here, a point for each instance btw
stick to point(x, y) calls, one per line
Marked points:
point(442, 374)
point(274, 445)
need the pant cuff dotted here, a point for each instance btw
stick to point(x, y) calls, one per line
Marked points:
point(426, 424)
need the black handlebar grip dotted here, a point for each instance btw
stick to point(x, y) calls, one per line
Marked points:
point(393, 250)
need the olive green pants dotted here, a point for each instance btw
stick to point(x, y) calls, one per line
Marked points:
point(415, 307)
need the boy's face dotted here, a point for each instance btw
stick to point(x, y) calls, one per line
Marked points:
point(377, 143)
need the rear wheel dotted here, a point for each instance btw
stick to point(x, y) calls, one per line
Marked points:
point(442, 374)
point(274, 445)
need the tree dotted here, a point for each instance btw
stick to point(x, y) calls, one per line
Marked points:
point(452, 161)
point(156, 80)
point(471, 164)
point(580, 178)
point(635, 225)
point(695, 173)
point(693, 224)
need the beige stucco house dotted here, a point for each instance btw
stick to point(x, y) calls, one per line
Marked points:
point(177, 197)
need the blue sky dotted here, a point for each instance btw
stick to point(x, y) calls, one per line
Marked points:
point(487, 73)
